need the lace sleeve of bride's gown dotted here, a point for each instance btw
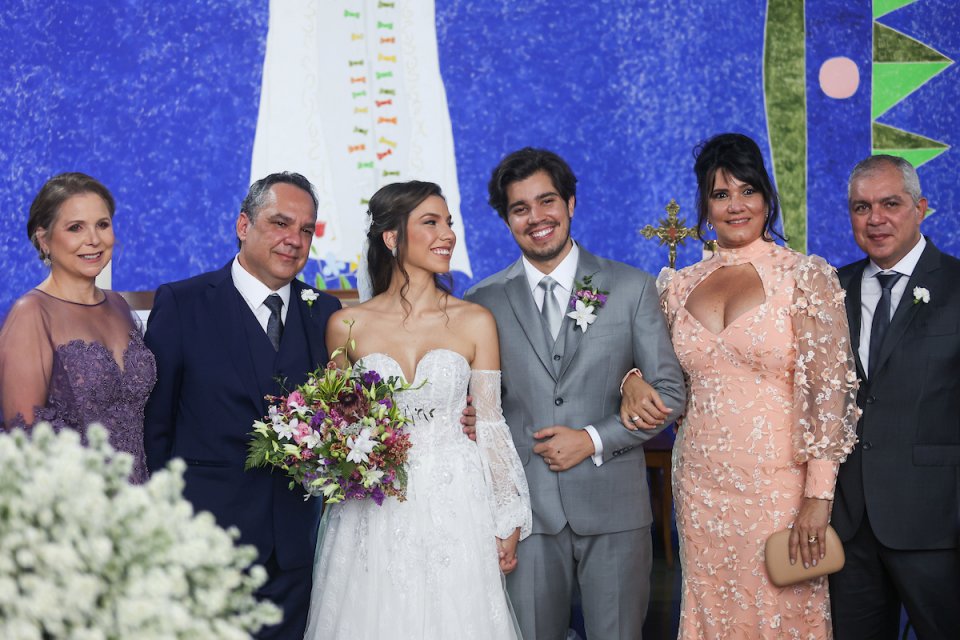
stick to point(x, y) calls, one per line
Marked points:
point(508, 492)
point(825, 379)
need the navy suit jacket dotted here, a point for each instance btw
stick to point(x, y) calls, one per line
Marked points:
point(215, 364)
point(905, 470)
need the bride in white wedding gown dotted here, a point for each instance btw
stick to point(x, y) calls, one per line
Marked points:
point(430, 567)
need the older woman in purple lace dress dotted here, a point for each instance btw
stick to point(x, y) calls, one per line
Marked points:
point(70, 353)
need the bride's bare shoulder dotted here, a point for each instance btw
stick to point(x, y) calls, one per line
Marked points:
point(470, 314)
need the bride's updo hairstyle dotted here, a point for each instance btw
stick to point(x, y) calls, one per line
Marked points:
point(390, 209)
point(740, 157)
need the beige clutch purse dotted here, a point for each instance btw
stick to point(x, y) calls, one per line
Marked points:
point(782, 573)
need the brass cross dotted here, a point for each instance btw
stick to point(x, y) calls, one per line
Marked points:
point(671, 231)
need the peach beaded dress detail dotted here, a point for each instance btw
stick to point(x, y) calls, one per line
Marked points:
point(771, 413)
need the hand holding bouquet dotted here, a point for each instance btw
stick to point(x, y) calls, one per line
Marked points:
point(340, 435)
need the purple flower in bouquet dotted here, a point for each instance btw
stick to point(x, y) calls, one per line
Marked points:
point(371, 378)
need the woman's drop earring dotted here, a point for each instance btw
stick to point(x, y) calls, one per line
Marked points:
point(709, 225)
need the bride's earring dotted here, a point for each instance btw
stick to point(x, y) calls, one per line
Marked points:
point(709, 225)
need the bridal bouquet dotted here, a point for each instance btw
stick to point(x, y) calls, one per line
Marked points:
point(340, 435)
point(84, 554)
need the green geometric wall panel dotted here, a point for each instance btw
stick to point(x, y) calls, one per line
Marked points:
point(784, 93)
point(889, 45)
point(894, 81)
point(901, 66)
point(883, 7)
point(915, 148)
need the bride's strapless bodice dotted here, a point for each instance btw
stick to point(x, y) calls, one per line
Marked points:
point(435, 400)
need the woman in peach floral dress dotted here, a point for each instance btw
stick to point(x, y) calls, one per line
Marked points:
point(761, 333)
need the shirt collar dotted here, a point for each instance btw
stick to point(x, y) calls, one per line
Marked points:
point(906, 265)
point(564, 273)
point(252, 290)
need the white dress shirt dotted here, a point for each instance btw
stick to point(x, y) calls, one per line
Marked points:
point(255, 292)
point(564, 273)
point(870, 291)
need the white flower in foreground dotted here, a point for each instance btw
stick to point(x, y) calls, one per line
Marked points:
point(86, 555)
point(583, 315)
point(920, 294)
point(360, 446)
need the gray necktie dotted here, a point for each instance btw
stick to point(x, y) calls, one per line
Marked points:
point(551, 308)
point(881, 317)
point(274, 325)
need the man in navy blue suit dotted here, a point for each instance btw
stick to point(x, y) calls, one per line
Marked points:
point(897, 506)
point(223, 340)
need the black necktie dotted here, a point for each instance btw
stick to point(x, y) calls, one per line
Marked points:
point(881, 318)
point(274, 325)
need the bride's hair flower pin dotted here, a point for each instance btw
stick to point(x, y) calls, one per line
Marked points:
point(920, 294)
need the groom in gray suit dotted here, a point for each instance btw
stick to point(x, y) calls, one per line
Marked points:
point(561, 374)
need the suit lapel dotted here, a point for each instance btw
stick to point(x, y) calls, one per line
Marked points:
point(528, 316)
point(229, 308)
point(923, 276)
point(587, 265)
point(852, 301)
point(302, 314)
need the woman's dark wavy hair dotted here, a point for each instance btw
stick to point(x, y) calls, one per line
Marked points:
point(389, 210)
point(740, 157)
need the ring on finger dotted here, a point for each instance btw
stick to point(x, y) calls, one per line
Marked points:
point(812, 539)
point(634, 418)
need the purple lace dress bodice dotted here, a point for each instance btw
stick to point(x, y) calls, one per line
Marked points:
point(75, 365)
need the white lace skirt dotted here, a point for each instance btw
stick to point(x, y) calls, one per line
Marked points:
point(421, 569)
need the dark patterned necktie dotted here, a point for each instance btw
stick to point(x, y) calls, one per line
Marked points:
point(881, 318)
point(275, 324)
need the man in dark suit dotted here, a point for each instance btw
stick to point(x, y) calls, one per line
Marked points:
point(897, 494)
point(222, 341)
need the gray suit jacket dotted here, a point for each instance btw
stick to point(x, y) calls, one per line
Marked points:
point(582, 389)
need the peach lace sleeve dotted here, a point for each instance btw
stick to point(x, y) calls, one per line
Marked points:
point(825, 379)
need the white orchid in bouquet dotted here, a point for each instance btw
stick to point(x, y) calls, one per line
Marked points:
point(84, 554)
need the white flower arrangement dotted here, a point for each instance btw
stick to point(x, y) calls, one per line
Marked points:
point(84, 554)
point(308, 296)
point(920, 295)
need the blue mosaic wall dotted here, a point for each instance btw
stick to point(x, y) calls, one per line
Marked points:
point(161, 104)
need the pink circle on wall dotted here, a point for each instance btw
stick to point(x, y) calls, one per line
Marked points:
point(839, 77)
